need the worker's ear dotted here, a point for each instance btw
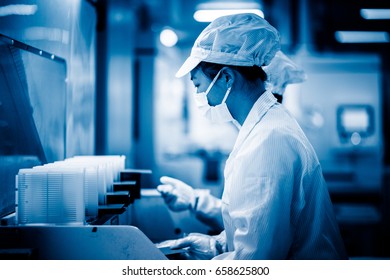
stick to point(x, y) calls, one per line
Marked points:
point(229, 75)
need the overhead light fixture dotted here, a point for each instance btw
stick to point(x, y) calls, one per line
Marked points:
point(168, 37)
point(210, 15)
point(20, 10)
point(208, 11)
point(375, 13)
point(362, 36)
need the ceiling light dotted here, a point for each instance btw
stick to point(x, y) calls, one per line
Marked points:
point(208, 11)
point(375, 13)
point(362, 36)
point(23, 10)
point(168, 37)
point(210, 15)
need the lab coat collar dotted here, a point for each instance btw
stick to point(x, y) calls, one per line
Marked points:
point(259, 109)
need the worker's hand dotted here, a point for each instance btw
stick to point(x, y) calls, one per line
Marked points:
point(177, 195)
point(197, 246)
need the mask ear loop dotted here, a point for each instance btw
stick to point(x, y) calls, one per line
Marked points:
point(226, 95)
point(213, 82)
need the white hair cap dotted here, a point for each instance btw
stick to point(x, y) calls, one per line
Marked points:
point(241, 40)
point(282, 71)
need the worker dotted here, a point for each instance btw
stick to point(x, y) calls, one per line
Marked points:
point(179, 196)
point(275, 202)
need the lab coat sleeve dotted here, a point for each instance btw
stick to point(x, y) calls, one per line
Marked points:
point(261, 198)
point(208, 210)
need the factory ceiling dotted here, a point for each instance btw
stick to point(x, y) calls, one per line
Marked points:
point(317, 23)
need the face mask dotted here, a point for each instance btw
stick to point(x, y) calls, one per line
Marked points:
point(216, 114)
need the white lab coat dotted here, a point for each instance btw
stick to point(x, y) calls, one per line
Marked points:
point(275, 203)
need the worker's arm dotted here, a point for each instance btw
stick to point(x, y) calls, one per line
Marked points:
point(208, 209)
